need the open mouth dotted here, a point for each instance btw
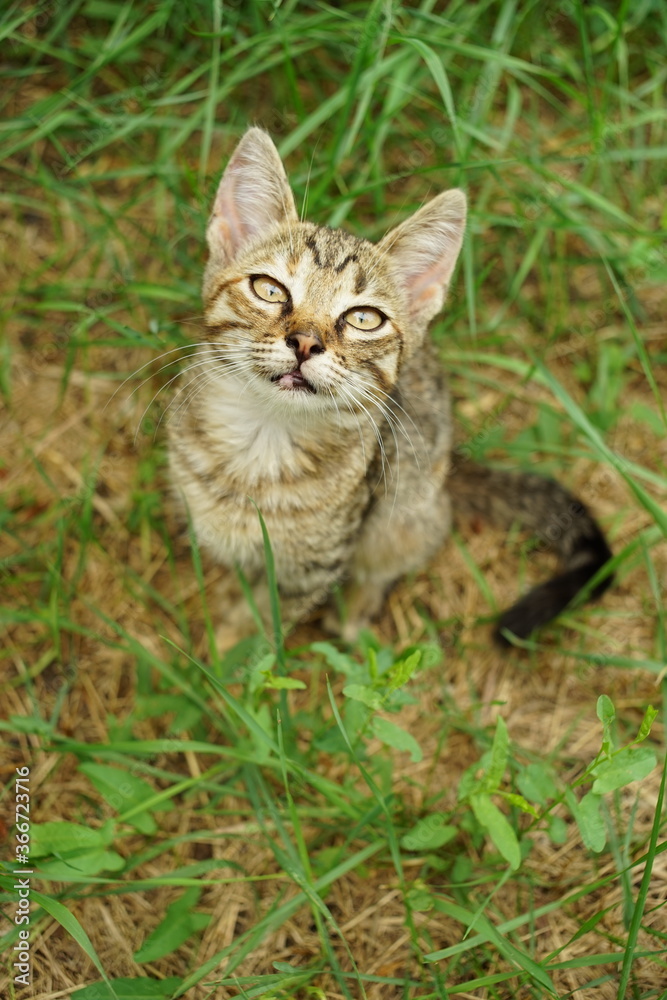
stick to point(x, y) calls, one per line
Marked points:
point(294, 381)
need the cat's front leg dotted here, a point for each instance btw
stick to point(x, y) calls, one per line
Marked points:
point(400, 535)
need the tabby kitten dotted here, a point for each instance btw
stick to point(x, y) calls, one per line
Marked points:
point(316, 396)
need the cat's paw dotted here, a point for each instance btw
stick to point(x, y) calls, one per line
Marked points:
point(331, 623)
point(348, 630)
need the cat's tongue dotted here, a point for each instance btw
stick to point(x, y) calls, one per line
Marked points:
point(294, 380)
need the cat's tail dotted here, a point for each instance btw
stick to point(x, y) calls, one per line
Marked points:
point(559, 520)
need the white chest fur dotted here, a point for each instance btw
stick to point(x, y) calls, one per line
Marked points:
point(303, 466)
point(253, 444)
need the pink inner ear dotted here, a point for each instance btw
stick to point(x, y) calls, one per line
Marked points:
point(226, 225)
point(427, 287)
point(423, 285)
point(424, 250)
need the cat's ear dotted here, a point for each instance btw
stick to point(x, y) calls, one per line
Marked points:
point(423, 251)
point(253, 195)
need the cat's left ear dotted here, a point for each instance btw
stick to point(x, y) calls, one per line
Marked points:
point(423, 251)
point(253, 195)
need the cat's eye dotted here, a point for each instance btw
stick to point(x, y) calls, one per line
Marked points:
point(268, 289)
point(365, 319)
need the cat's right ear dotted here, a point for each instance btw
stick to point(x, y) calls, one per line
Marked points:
point(253, 195)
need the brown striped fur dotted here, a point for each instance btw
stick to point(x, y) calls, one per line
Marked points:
point(341, 436)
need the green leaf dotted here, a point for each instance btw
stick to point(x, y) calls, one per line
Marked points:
point(420, 900)
point(258, 671)
point(122, 791)
point(536, 783)
point(178, 925)
point(470, 782)
point(130, 989)
point(429, 833)
point(68, 838)
point(81, 863)
point(263, 718)
point(647, 722)
point(395, 737)
point(557, 830)
point(149, 705)
point(363, 693)
point(338, 661)
point(519, 802)
point(402, 671)
point(498, 762)
point(588, 818)
point(606, 714)
point(631, 763)
point(499, 829)
point(431, 655)
point(372, 658)
point(281, 683)
point(31, 724)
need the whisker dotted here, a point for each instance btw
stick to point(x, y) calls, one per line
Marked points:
point(357, 421)
point(376, 430)
point(206, 364)
point(152, 361)
point(205, 381)
point(391, 401)
point(371, 393)
point(394, 422)
point(233, 369)
point(200, 364)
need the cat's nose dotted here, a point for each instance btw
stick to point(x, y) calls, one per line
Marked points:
point(305, 345)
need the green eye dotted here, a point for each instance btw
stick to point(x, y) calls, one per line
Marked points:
point(365, 319)
point(268, 289)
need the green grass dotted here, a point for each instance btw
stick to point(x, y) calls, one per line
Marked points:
point(304, 785)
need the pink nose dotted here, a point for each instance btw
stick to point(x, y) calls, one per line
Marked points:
point(305, 345)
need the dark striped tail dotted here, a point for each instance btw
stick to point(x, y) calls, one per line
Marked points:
point(560, 520)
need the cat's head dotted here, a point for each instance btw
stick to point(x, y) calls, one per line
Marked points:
point(307, 316)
